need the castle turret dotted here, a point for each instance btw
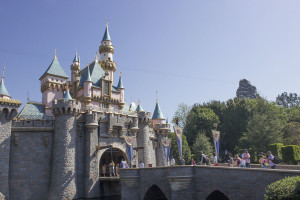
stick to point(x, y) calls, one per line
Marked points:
point(63, 174)
point(139, 108)
point(121, 89)
point(162, 130)
point(52, 84)
point(8, 110)
point(75, 68)
point(109, 66)
point(87, 85)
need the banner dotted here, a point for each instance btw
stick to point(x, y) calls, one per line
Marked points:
point(129, 144)
point(166, 143)
point(178, 133)
point(216, 137)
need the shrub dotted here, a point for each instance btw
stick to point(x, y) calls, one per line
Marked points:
point(276, 149)
point(283, 189)
point(290, 154)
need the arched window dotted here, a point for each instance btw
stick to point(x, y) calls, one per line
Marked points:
point(155, 193)
point(217, 195)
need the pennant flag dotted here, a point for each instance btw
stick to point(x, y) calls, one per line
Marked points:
point(178, 133)
point(216, 137)
point(166, 144)
point(129, 144)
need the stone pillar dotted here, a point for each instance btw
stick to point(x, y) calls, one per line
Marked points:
point(63, 174)
point(130, 184)
point(160, 157)
point(7, 113)
point(143, 139)
point(91, 183)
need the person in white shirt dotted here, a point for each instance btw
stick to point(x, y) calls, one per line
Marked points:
point(172, 161)
point(141, 165)
point(271, 158)
point(246, 158)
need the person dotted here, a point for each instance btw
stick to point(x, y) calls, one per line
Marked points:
point(182, 161)
point(238, 162)
point(270, 160)
point(215, 158)
point(104, 169)
point(202, 158)
point(193, 162)
point(141, 165)
point(230, 160)
point(263, 161)
point(246, 158)
point(126, 165)
point(118, 169)
point(112, 169)
point(172, 161)
point(122, 163)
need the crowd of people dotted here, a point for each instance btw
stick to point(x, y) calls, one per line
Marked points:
point(114, 168)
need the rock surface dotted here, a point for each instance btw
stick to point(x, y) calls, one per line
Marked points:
point(246, 90)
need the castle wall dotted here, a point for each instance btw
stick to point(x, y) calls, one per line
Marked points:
point(30, 160)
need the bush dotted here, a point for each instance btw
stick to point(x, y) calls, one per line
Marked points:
point(276, 149)
point(283, 189)
point(253, 155)
point(290, 154)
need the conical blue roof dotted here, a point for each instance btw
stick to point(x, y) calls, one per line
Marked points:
point(106, 34)
point(67, 96)
point(157, 112)
point(88, 77)
point(139, 108)
point(55, 69)
point(76, 59)
point(120, 84)
point(3, 90)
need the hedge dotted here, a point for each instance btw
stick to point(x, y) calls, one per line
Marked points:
point(286, 188)
point(290, 154)
point(253, 154)
point(276, 149)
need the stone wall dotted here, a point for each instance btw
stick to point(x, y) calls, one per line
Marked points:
point(30, 165)
point(198, 182)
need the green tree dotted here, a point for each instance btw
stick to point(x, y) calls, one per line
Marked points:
point(199, 119)
point(265, 125)
point(288, 100)
point(292, 134)
point(186, 151)
point(202, 143)
point(181, 114)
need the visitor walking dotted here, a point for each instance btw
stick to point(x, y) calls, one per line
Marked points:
point(230, 160)
point(112, 169)
point(141, 165)
point(246, 158)
point(193, 162)
point(271, 159)
point(172, 161)
point(215, 158)
point(122, 163)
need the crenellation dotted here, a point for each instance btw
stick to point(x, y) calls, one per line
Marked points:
point(33, 123)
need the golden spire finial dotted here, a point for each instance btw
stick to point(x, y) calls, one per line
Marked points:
point(139, 103)
point(96, 58)
point(120, 74)
point(55, 53)
point(106, 23)
point(3, 71)
point(156, 97)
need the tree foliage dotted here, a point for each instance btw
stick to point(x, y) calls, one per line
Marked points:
point(202, 143)
point(288, 100)
point(186, 151)
point(181, 114)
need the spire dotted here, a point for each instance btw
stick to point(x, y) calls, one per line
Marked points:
point(76, 58)
point(139, 108)
point(157, 112)
point(67, 95)
point(55, 69)
point(55, 53)
point(88, 78)
point(3, 90)
point(96, 58)
point(106, 34)
point(120, 84)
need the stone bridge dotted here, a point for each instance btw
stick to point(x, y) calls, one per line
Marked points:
point(198, 182)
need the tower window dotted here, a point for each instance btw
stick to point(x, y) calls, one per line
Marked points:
point(105, 106)
point(106, 88)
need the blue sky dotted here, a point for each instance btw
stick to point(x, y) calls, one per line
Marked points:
point(190, 51)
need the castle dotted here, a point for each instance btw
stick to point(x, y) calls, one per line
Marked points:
point(56, 149)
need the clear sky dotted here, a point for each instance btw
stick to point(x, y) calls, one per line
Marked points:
point(191, 51)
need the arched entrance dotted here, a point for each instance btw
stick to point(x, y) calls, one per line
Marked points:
point(217, 195)
point(155, 193)
point(112, 154)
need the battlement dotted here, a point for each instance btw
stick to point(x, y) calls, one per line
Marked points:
point(33, 123)
point(63, 107)
point(163, 128)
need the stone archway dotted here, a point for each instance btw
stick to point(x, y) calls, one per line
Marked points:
point(217, 195)
point(155, 193)
point(112, 154)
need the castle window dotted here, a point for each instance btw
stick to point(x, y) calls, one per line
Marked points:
point(105, 105)
point(106, 88)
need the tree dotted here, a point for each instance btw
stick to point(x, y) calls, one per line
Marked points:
point(181, 114)
point(199, 119)
point(203, 144)
point(288, 100)
point(186, 151)
point(292, 134)
point(264, 127)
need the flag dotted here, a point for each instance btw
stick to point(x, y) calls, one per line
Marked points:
point(129, 144)
point(216, 137)
point(166, 145)
point(178, 133)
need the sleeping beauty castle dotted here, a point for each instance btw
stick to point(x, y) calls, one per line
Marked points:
point(62, 147)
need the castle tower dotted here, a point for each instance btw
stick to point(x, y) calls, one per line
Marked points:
point(52, 84)
point(87, 85)
point(62, 182)
point(121, 89)
point(109, 66)
point(162, 130)
point(75, 68)
point(8, 110)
